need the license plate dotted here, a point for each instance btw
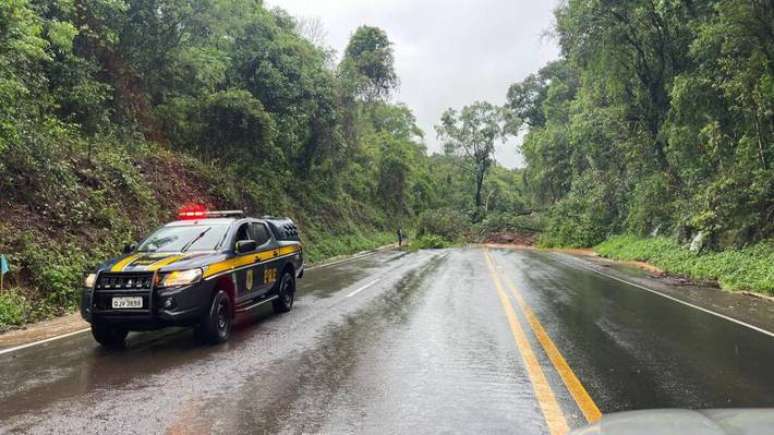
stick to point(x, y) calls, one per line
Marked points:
point(127, 302)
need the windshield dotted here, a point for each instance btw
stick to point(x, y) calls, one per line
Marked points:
point(185, 238)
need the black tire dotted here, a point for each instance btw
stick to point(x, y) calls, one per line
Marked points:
point(215, 326)
point(286, 290)
point(109, 336)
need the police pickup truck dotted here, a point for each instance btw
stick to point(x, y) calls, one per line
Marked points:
point(199, 271)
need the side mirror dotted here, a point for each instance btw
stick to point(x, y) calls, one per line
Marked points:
point(131, 247)
point(243, 246)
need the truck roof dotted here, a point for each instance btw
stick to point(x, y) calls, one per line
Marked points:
point(283, 228)
point(210, 221)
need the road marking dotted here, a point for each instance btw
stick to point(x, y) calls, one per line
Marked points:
point(573, 384)
point(708, 311)
point(342, 261)
point(47, 340)
point(552, 413)
point(348, 259)
point(362, 288)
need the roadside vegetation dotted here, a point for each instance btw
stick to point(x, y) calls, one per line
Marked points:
point(748, 268)
point(657, 121)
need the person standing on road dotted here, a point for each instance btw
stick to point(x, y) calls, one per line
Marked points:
point(400, 237)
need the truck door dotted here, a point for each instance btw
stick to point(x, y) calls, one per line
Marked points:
point(265, 273)
point(244, 274)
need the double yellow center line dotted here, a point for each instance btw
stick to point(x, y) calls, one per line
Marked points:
point(552, 412)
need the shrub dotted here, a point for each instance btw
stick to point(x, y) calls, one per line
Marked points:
point(429, 241)
point(13, 308)
point(55, 270)
point(447, 223)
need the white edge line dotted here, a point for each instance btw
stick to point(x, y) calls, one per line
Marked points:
point(714, 313)
point(362, 288)
point(343, 260)
point(47, 340)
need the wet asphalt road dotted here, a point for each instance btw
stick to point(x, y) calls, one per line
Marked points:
point(404, 343)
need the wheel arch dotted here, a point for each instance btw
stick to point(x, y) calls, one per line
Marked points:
point(225, 283)
point(288, 267)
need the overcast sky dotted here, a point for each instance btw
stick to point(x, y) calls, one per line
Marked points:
point(447, 53)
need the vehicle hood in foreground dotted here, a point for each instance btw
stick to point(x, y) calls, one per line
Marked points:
point(683, 421)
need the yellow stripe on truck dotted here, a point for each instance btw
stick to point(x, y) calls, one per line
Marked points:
point(248, 259)
point(165, 262)
point(285, 250)
point(216, 268)
point(118, 267)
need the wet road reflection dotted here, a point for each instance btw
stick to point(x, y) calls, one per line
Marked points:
point(426, 348)
point(637, 350)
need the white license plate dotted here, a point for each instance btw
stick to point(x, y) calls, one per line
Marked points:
point(127, 302)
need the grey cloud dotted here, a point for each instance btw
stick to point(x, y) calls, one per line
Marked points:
point(448, 54)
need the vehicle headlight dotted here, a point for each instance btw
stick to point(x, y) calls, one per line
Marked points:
point(90, 280)
point(181, 277)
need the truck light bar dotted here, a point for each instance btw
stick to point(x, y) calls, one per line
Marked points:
point(225, 213)
point(199, 211)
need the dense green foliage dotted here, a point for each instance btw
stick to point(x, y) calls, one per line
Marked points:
point(368, 64)
point(735, 269)
point(657, 119)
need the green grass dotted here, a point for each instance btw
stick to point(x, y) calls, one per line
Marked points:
point(751, 268)
point(327, 245)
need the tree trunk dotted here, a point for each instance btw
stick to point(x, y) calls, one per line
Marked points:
point(479, 185)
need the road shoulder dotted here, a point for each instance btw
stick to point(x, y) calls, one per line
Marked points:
point(746, 307)
point(44, 330)
point(741, 306)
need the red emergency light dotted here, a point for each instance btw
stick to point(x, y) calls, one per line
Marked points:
point(193, 211)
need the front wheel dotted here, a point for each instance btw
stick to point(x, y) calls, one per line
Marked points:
point(109, 336)
point(286, 293)
point(215, 326)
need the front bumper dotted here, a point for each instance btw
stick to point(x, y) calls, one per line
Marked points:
point(187, 305)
